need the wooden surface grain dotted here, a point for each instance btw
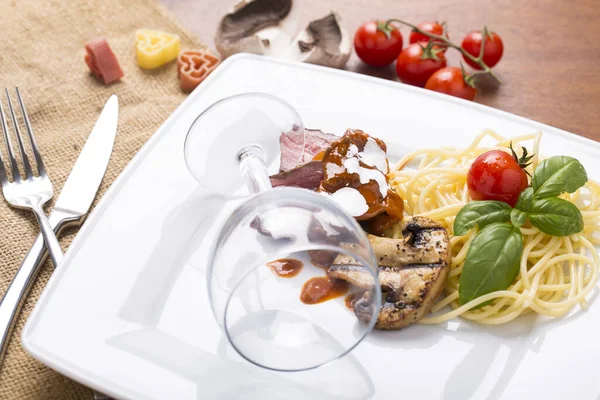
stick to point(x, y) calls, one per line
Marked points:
point(551, 64)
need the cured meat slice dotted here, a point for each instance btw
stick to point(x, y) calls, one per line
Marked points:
point(299, 148)
point(307, 176)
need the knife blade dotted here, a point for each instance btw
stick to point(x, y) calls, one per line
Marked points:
point(75, 200)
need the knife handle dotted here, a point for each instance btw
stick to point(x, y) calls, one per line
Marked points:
point(19, 287)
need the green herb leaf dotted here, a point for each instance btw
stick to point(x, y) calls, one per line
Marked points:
point(557, 175)
point(525, 199)
point(492, 261)
point(480, 213)
point(555, 216)
point(518, 217)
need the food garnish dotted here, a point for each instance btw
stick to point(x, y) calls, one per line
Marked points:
point(493, 258)
point(496, 175)
point(155, 48)
point(537, 257)
point(102, 61)
point(193, 66)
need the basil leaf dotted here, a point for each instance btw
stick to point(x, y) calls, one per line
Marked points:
point(557, 175)
point(525, 199)
point(518, 217)
point(492, 261)
point(555, 216)
point(480, 213)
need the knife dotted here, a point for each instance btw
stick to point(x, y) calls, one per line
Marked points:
point(72, 205)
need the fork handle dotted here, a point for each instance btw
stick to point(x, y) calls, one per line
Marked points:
point(56, 252)
point(17, 291)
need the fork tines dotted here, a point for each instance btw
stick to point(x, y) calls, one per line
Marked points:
point(9, 148)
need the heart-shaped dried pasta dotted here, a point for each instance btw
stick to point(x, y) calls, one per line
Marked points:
point(193, 66)
point(155, 48)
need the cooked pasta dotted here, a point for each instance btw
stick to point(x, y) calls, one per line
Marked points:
point(556, 273)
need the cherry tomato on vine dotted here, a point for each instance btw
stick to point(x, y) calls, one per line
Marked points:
point(432, 27)
point(492, 53)
point(450, 80)
point(411, 68)
point(374, 46)
point(496, 175)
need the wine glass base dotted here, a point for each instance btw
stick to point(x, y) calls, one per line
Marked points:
point(283, 341)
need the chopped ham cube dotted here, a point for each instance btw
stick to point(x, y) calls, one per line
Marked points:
point(102, 61)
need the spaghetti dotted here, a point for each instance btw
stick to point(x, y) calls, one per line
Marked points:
point(556, 273)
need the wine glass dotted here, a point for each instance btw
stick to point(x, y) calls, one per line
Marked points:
point(263, 274)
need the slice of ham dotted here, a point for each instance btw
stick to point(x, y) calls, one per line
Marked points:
point(102, 61)
point(307, 176)
point(298, 149)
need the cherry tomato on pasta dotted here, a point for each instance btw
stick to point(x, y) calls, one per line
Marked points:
point(496, 175)
point(492, 53)
point(374, 46)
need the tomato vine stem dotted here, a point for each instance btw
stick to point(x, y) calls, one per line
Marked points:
point(443, 40)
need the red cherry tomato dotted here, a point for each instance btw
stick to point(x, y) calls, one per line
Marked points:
point(432, 27)
point(496, 175)
point(411, 68)
point(374, 47)
point(449, 80)
point(492, 53)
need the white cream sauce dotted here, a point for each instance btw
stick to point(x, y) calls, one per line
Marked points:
point(352, 165)
point(350, 200)
point(374, 156)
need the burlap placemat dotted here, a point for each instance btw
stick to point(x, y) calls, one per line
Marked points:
point(42, 52)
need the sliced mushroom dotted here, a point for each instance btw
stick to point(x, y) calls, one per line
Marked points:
point(256, 26)
point(412, 272)
point(323, 42)
point(269, 26)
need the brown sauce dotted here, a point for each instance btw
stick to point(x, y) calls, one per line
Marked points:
point(350, 299)
point(286, 267)
point(322, 288)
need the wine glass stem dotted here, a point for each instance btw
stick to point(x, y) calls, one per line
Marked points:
point(254, 170)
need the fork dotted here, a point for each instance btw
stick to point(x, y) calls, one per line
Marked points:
point(34, 191)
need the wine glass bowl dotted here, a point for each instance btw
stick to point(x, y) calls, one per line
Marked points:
point(262, 313)
point(277, 322)
point(227, 128)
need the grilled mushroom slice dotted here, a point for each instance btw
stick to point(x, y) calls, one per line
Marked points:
point(412, 272)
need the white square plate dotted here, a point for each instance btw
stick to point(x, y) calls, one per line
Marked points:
point(127, 312)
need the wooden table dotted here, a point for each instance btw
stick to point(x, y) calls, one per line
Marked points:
point(551, 64)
